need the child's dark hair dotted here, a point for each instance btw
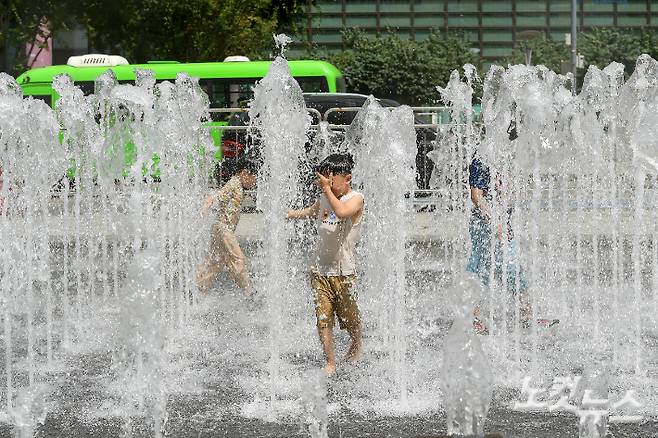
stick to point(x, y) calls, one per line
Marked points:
point(336, 164)
point(246, 164)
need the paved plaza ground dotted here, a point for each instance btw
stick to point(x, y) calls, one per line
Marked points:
point(214, 378)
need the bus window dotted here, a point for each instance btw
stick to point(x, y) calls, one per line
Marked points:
point(215, 92)
point(231, 92)
point(87, 87)
point(228, 93)
point(236, 93)
point(45, 97)
point(313, 84)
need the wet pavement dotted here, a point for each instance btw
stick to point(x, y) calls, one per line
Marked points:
point(215, 384)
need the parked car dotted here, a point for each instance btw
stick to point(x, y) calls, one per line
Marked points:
point(238, 142)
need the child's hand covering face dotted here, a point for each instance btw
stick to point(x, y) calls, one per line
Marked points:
point(323, 181)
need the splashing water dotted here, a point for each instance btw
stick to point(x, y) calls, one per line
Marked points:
point(281, 42)
point(29, 157)
point(96, 269)
point(577, 184)
point(383, 143)
point(124, 262)
point(314, 404)
point(325, 143)
point(279, 115)
point(466, 370)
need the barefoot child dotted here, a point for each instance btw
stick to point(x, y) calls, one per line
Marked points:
point(224, 248)
point(338, 213)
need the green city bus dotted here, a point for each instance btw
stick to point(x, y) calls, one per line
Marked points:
point(228, 84)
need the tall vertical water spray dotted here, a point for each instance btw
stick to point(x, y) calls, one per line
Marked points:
point(134, 149)
point(383, 141)
point(463, 138)
point(636, 131)
point(314, 404)
point(467, 380)
point(30, 159)
point(572, 178)
point(278, 114)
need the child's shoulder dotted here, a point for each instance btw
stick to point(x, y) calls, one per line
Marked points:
point(354, 193)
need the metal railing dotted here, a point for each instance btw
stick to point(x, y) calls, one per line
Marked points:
point(418, 110)
point(429, 135)
point(244, 110)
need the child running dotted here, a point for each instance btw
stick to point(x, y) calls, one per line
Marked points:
point(225, 251)
point(338, 213)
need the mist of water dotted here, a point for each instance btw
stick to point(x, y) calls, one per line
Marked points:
point(127, 235)
point(383, 142)
point(580, 178)
point(100, 265)
point(279, 115)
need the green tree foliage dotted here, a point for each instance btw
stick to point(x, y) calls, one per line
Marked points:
point(544, 51)
point(389, 66)
point(602, 46)
point(191, 30)
point(25, 25)
point(599, 46)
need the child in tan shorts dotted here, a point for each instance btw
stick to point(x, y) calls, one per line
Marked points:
point(338, 213)
point(225, 251)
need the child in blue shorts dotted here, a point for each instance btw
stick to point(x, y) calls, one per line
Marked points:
point(481, 230)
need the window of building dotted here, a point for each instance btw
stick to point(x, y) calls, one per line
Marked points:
point(394, 6)
point(395, 21)
point(497, 6)
point(333, 21)
point(429, 21)
point(462, 6)
point(598, 20)
point(361, 21)
point(558, 36)
point(496, 20)
point(560, 5)
point(597, 6)
point(497, 35)
point(631, 20)
point(496, 52)
point(530, 6)
point(463, 20)
point(563, 20)
point(360, 6)
point(531, 20)
point(632, 6)
point(428, 5)
point(327, 37)
point(327, 6)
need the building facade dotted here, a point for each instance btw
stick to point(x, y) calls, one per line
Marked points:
point(494, 27)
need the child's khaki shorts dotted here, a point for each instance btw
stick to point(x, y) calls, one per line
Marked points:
point(333, 296)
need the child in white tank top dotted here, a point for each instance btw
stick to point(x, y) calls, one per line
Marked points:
point(338, 213)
